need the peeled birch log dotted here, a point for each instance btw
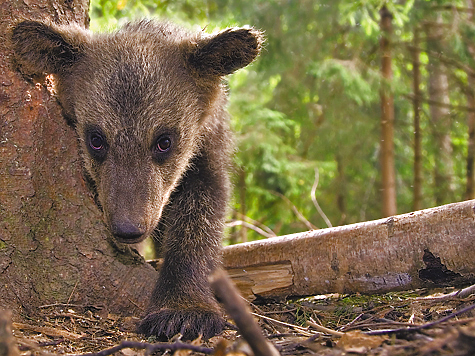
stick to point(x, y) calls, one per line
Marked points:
point(432, 247)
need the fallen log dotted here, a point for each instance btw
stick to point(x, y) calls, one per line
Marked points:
point(427, 248)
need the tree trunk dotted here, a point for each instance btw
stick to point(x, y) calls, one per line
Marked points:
point(242, 202)
point(388, 174)
point(470, 185)
point(54, 247)
point(417, 189)
point(341, 191)
point(440, 118)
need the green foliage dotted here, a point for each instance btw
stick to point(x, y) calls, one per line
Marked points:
point(312, 100)
point(345, 77)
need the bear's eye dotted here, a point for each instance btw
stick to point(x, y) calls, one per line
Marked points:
point(164, 144)
point(96, 142)
point(162, 147)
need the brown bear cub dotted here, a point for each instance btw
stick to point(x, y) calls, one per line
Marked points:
point(147, 103)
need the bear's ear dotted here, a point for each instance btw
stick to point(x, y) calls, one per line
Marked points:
point(226, 51)
point(44, 48)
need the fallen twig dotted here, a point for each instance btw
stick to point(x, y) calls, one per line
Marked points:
point(48, 331)
point(423, 326)
point(461, 294)
point(35, 346)
point(301, 330)
point(150, 348)
point(323, 329)
point(466, 292)
point(228, 294)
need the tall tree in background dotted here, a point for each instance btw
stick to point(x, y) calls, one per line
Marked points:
point(470, 93)
point(470, 177)
point(440, 114)
point(417, 102)
point(54, 247)
point(388, 174)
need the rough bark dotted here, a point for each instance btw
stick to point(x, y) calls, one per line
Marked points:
point(388, 173)
point(432, 247)
point(54, 247)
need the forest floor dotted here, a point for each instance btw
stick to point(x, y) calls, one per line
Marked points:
point(422, 322)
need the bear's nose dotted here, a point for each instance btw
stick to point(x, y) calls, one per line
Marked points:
point(127, 232)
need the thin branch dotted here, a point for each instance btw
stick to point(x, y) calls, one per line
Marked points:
point(299, 329)
point(50, 331)
point(238, 310)
point(351, 323)
point(314, 199)
point(256, 223)
point(302, 218)
point(324, 329)
point(250, 226)
point(452, 8)
point(72, 292)
point(440, 57)
point(423, 326)
point(462, 293)
point(64, 305)
point(440, 104)
point(151, 348)
point(35, 346)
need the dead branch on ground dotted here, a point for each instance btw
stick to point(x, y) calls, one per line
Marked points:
point(236, 307)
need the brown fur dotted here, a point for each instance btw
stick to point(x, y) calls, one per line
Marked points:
point(147, 103)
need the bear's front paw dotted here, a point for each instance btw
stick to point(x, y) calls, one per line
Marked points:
point(166, 323)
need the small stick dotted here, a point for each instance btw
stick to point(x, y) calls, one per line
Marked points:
point(303, 331)
point(466, 292)
point(71, 295)
point(239, 311)
point(324, 329)
point(48, 331)
point(423, 326)
point(344, 327)
point(35, 346)
point(151, 348)
point(462, 293)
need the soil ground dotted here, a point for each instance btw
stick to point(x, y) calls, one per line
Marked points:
point(422, 322)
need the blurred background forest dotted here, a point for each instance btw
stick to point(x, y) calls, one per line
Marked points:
point(367, 106)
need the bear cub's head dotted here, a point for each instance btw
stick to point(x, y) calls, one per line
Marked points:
point(144, 101)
